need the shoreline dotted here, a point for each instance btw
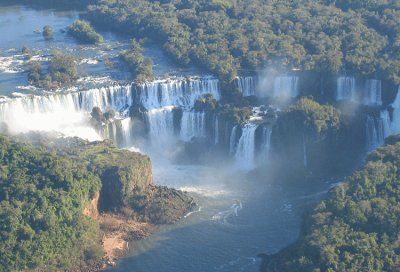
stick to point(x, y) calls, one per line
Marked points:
point(116, 233)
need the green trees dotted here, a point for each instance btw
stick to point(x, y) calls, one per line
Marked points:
point(357, 227)
point(140, 67)
point(83, 32)
point(41, 203)
point(225, 37)
point(62, 69)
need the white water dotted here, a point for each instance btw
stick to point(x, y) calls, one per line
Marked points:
point(286, 86)
point(232, 140)
point(216, 132)
point(246, 85)
point(346, 87)
point(375, 133)
point(245, 152)
point(161, 125)
point(305, 159)
point(177, 92)
point(161, 96)
point(193, 125)
point(67, 113)
point(266, 141)
point(373, 93)
point(391, 126)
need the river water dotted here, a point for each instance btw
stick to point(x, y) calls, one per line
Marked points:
point(237, 218)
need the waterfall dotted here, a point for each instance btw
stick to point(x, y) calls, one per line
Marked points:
point(162, 96)
point(232, 140)
point(67, 113)
point(177, 92)
point(391, 126)
point(373, 93)
point(375, 133)
point(193, 125)
point(216, 129)
point(161, 124)
point(246, 85)
point(266, 141)
point(245, 151)
point(395, 124)
point(118, 98)
point(305, 159)
point(345, 88)
point(126, 131)
point(286, 86)
point(386, 123)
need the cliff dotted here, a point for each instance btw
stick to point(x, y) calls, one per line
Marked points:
point(108, 190)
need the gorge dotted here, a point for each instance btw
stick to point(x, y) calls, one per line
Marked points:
point(221, 161)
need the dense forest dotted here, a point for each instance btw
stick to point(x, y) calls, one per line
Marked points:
point(230, 37)
point(41, 201)
point(357, 227)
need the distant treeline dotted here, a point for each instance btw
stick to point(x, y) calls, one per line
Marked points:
point(229, 36)
point(226, 37)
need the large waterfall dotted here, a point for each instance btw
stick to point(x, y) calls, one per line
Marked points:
point(177, 92)
point(246, 85)
point(286, 86)
point(193, 124)
point(65, 112)
point(346, 87)
point(375, 135)
point(245, 151)
point(373, 93)
point(162, 96)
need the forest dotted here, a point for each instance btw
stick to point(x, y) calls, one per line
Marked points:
point(41, 201)
point(234, 37)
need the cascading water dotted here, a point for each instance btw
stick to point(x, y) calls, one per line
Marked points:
point(245, 152)
point(266, 141)
point(162, 96)
point(177, 92)
point(395, 124)
point(375, 133)
point(193, 125)
point(391, 126)
point(126, 131)
point(216, 131)
point(386, 123)
point(246, 85)
point(373, 93)
point(346, 87)
point(115, 97)
point(286, 86)
point(67, 113)
point(305, 158)
point(161, 124)
point(232, 140)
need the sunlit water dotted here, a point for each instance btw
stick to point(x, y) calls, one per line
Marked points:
point(21, 26)
point(236, 220)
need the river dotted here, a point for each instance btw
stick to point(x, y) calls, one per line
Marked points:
point(237, 218)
